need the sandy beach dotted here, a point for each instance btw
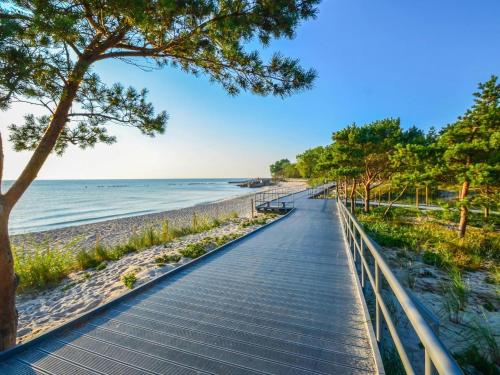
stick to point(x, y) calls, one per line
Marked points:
point(85, 290)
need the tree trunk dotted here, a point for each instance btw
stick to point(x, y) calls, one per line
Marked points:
point(8, 279)
point(395, 200)
point(353, 195)
point(417, 203)
point(463, 210)
point(487, 205)
point(8, 284)
point(389, 196)
point(367, 197)
point(426, 195)
point(345, 192)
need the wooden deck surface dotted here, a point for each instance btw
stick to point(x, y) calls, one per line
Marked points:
point(282, 301)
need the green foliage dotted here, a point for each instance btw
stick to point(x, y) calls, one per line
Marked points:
point(434, 259)
point(261, 220)
point(494, 276)
point(471, 148)
point(422, 233)
point(167, 258)
point(455, 294)
point(194, 250)
point(101, 266)
point(129, 279)
point(41, 266)
point(219, 241)
point(44, 264)
point(474, 362)
point(94, 257)
point(278, 168)
point(85, 260)
point(472, 144)
point(307, 162)
point(146, 238)
point(46, 46)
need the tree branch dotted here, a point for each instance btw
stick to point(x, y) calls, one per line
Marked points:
point(107, 117)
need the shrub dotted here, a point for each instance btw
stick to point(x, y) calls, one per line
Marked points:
point(434, 259)
point(167, 258)
point(101, 266)
point(219, 241)
point(129, 279)
point(194, 250)
point(261, 220)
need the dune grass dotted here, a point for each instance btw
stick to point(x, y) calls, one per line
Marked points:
point(41, 265)
point(431, 234)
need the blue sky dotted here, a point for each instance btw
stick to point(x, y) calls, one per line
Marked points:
point(420, 61)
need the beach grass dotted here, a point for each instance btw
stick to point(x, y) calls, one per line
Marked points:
point(41, 265)
point(434, 236)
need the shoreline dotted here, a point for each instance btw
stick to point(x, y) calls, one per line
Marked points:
point(115, 231)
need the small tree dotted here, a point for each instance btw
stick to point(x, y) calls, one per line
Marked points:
point(307, 162)
point(278, 168)
point(472, 146)
point(376, 142)
point(347, 159)
point(291, 171)
point(415, 161)
point(48, 49)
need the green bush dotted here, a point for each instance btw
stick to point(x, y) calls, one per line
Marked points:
point(434, 259)
point(167, 258)
point(194, 250)
point(101, 266)
point(129, 279)
point(219, 241)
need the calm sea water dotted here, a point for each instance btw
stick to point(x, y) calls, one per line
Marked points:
point(50, 204)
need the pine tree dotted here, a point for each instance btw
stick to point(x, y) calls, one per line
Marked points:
point(471, 146)
point(48, 50)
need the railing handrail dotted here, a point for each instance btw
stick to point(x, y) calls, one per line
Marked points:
point(435, 351)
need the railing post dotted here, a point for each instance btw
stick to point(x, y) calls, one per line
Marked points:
point(354, 244)
point(362, 258)
point(428, 363)
point(377, 302)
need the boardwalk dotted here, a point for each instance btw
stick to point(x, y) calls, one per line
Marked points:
point(283, 301)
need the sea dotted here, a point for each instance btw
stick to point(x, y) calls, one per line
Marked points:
point(51, 204)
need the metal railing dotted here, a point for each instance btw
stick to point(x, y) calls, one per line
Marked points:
point(319, 190)
point(435, 353)
point(280, 199)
